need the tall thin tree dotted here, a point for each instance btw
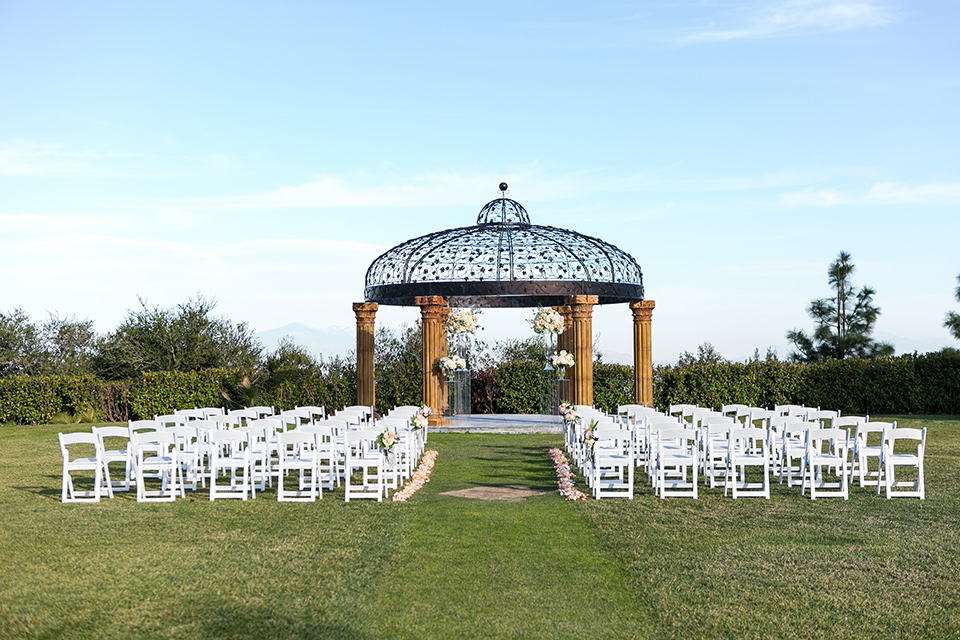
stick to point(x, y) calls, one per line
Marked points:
point(844, 321)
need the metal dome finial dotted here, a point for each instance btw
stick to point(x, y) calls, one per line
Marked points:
point(503, 210)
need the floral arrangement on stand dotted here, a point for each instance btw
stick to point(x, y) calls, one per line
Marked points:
point(565, 477)
point(462, 321)
point(452, 363)
point(419, 478)
point(561, 360)
point(548, 320)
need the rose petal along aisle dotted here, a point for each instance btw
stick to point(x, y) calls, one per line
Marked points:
point(420, 477)
point(565, 475)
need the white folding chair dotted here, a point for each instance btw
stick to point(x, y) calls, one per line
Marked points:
point(297, 451)
point(747, 447)
point(119, 439)
point(612, 462)
point(362, 455)
point(826, 449)
point(230, 451)
point(188, 442)
point(891, 458)
point(327, 453)
point(155, 455)
point(714, 445)
point(72, 462)
point(676, 455)
point(867, 444)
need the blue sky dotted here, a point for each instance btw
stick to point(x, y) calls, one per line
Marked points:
point(264, 154)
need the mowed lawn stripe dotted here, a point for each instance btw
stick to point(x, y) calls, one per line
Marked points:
point(485, 568)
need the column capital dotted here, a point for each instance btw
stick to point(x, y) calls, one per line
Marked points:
point(365, 311)
point(642, 310)
point(578, 300)
point(430, 301)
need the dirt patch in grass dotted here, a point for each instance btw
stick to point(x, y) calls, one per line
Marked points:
point(512, 494)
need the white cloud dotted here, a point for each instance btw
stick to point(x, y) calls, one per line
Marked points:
point(882, 193)
point(792, 18)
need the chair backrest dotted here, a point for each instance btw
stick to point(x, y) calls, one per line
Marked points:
point(747, 438)
point(161, 443)
point(395, 423)
point(848, 421)
point(140, 426)
point(103, 433)
point(240, 417)
point(684, 439)
point(270, 426)
point(823, 415)
point(186, 436)
point(212, 412)
point(262, 411)
point(917, 436)
point(292, 443)
point(170, 420)
point(79, 438)
point(736, 411)
point(229, 443)
point(316, 413)
point(682, 411)
point(824, 440)
point(302, 416)
point(190, 414)
point(763, 416)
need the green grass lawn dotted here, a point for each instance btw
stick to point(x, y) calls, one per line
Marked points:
point(447, 567)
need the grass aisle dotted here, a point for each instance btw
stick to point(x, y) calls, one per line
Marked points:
point(479, 569)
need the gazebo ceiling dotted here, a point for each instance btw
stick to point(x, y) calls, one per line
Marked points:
point(504, 261)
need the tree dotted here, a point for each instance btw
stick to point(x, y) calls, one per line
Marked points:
point(706, 354)
point(69, 345)
point(181, 338)
point(953, 319)
point(291, 357)
point(21, 345)
point(844, 321)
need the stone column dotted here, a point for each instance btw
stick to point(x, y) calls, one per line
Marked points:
point(445, 351)
point(433, 315)
point(366, 380)
point(565, 343)
point(642, 351)
point(581, 325)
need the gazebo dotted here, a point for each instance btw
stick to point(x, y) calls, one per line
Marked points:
point(505, 261)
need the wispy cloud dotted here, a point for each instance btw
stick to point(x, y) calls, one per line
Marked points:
point(440, 189)
point(883, 193)
point(791, 18)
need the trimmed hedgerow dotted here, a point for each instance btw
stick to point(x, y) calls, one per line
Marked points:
point(911, 384)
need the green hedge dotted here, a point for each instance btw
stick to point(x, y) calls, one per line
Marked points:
point(911, 384)
point(908, 384)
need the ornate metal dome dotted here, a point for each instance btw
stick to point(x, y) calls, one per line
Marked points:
point(504, 261)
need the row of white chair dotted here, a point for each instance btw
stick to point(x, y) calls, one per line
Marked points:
point(203, 448)
point(791, 443)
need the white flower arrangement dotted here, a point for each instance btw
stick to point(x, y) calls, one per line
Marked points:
point(462, 321)
point(548, 320)
point(452, 363)
point(562, 360)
